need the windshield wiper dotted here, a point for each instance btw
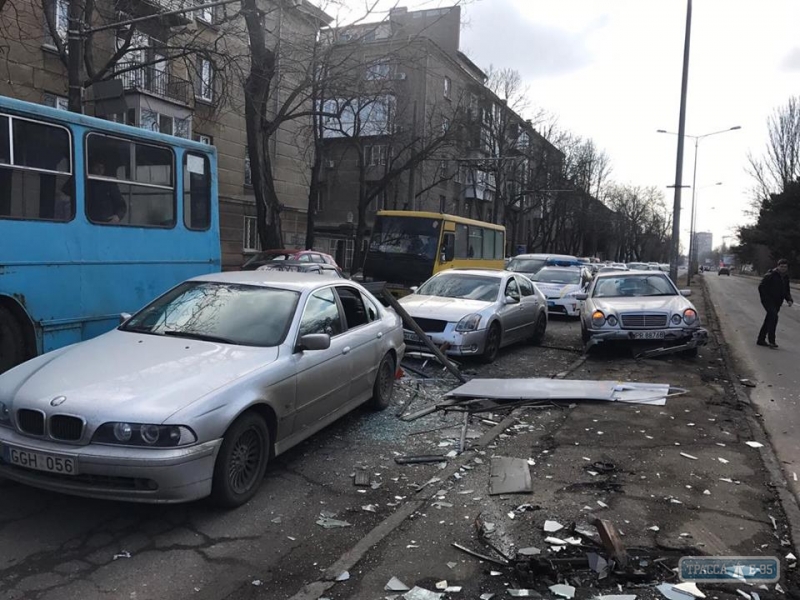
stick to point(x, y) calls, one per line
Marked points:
point(198, 336)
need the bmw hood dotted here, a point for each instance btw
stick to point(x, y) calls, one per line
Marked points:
point(557, 290)
point(451, 310)
point(129, 376)
point(658, 304)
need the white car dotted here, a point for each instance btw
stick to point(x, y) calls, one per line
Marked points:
point(561, 285)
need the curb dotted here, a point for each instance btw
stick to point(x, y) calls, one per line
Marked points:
point(777, 478)
point(348, 560)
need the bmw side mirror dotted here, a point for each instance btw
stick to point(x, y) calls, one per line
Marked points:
point(124, 317)
point(314, 341)
point(581, 296)
point(686, 292)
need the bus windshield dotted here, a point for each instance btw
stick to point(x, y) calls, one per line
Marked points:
point(407, 236)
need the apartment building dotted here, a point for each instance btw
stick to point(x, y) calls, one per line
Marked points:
point(181, 73)
point(487, 162)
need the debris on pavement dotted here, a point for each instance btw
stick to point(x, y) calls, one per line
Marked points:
point(361, 479)
point(420, 459)
point(690, 588)
point(610, 538)
point(550, 390)
point(747, 383)
point(615, 597)
point(530, 551)
point(343, 576)
point(328, 522)
point(257, 582)
point(486, 596)
point(479, 555)
point(563, 590)
point(689, 456)
point(395, 585)
point(509, 476)
point(418, 593)
point(552, 526)
point(123, 554)
point(523, 593)
point(755, 444)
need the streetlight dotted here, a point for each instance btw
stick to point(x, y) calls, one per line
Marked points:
point(696, 139)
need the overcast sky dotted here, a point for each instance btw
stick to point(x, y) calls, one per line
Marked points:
point(611, 70)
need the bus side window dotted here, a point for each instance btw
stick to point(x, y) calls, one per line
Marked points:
point(462, 240)
point(475, 249)
point(488, 243)
point(38, 183)
point(196, 192)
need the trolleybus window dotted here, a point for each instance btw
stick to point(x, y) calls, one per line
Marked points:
point(35, 170)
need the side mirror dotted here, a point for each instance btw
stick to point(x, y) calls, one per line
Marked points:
point(314, 341)
point(581, 296)
point(124, 317)
point(511, 300)
point(686, 292)
point(414, 288)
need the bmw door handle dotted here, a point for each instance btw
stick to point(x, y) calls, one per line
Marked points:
point(346, 350)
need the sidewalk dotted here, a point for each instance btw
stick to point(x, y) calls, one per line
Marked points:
point(675, 480)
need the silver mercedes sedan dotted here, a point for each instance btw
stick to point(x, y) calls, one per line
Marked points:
point(192, 395)
point(475, 312)
point(634, 306)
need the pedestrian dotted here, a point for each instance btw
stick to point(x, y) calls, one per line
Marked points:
point(773, 289)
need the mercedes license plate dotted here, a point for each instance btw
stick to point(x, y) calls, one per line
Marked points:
point(412, 337)
point(648, 335)
point(51, 463)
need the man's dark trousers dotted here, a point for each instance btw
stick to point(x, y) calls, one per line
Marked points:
point(770, 322)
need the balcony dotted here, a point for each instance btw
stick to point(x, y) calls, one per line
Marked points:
point(152, 80)
point(144, 8)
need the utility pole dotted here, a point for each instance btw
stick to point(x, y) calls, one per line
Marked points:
point(75, 56)
point(676, 208)
point(410, 199)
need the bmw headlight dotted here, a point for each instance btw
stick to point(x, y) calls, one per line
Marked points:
point(5, 415)
point(144, 435)
point(676, 319)
point(468, 323)
point(689, 316)
point(598, 318)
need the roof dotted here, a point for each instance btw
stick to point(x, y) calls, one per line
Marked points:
point(626, 273)
point(433, 215)
point(288, 280)
point(495, 273)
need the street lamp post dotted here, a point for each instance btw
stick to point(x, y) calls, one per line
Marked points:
point(696, 139)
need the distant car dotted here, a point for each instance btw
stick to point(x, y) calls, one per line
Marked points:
point(531, 263)
point(296, 266)
point(637, 266)
point(610, 269)
point(664, 267)
point(476, 312)
point(621, 266)
point(193, 395)
point(560, 285)
point(261, 258)
point(640, 306)
point(653, 266)
point(724, 271)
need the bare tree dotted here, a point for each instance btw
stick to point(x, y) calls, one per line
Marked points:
point(780, 163)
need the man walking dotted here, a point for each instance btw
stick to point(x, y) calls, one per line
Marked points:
point(773, 289)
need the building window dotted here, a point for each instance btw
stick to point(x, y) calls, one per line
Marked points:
point(250, 241)
point(378, 70)
point(375, 155)
point(153, 121)
point(318, 207)
point(204, 139)
point(460, 175)
point(205, 14)
point(442, 204)
point(445, 125)
point(248, 174)
point(59, 102)
point(204, 86)
point(58, 11)
point(448, 85)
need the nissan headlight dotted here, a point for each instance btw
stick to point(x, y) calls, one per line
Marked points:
point(5, 415)
point(468, 323)
point(598, 319)
point(689, 316)
point(144, 435)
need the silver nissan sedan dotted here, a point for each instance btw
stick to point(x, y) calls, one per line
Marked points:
point(194, 394)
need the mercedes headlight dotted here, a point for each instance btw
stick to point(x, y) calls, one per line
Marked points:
point(144, 435)
point(689, 316)
point(598, 318)
point(468, 323)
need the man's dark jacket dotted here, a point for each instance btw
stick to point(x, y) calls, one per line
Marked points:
point(774, 289)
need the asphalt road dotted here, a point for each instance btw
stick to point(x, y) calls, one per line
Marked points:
point(775, 371)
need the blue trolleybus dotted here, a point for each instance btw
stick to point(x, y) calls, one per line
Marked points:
point(96, 219)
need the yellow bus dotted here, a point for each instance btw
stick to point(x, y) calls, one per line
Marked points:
point(407, 247)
